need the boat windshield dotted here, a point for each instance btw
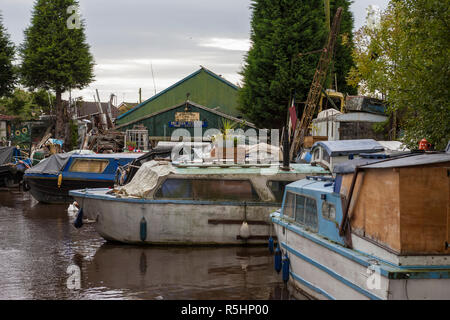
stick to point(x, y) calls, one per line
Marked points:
point(207, 189)
point(302, 209)
point(89, 165)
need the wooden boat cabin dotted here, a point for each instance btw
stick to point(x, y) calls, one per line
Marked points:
point(400, 204)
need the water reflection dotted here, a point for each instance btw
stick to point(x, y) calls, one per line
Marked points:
point(38, 243)
point(184, 272)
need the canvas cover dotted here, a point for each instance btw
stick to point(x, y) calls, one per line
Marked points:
point(51, 165)
point(146, 178)
point(7, 155)
point(264, 152)
point(346, 147)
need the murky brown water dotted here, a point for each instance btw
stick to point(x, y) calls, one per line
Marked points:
point(38, 244)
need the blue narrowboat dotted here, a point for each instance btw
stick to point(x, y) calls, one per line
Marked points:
point(51, 179)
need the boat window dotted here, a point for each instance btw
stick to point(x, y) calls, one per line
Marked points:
point(311, 219)
point(326, 157)
point(300, 209)
point(89, 165)
point(306, 212)
point(207, 189)
point(213, 189)
point(328, 210)
point(316, 155)
point(288, 209)
point(277, 188)
point(175, 189)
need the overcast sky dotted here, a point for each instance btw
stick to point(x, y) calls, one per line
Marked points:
point(129, 38)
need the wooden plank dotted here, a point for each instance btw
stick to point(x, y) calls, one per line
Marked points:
point(424, 196)
point(376, 214)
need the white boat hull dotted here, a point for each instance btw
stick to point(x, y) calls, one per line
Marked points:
point(177, 223)
point(323, 271)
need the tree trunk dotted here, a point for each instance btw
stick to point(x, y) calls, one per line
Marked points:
point(59, 126)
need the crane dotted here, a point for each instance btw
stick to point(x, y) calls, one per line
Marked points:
point(316, 87)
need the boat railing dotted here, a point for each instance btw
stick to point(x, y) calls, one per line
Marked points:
point(320, 178)
point(224, 165)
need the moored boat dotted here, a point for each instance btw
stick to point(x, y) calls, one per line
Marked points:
point(379, 230)
point(191, 204)
point(51, 179)
point(13, 163)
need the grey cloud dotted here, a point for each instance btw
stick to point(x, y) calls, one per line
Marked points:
point(173, 31)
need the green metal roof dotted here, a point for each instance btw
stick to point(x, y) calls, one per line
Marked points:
point(204, 86)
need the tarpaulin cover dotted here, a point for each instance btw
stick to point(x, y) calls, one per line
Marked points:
point(51, 165)
point(7, 155)
point(146, 178)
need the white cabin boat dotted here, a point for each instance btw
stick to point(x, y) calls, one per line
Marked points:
point(379, 230)
point(192, 204)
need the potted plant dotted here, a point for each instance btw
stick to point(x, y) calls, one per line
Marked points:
point(131, 145)
point(226, 140)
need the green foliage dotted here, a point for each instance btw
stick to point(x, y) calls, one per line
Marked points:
point(406, 58)
point(27, 105)
point(54, 56)
point(280, 30)
point(7, 69)
point(227, 125)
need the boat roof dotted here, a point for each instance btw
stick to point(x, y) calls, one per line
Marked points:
point(295, 168)
point(124, 155)
point(413, 160)
point(401, 160)
point(55, 163)
point(320, 184)
point(346, 147)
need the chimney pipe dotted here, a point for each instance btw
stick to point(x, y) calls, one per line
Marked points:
point(285, 166)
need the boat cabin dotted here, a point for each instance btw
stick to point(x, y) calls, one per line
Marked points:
point(311, 204)
point(401, 204)
point(216, 183)
point(51, 179)
point(329, 153)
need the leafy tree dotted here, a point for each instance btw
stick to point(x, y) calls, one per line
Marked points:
point(280, 30)
point(55, 56)
point(27, 105)
point(7, 69)
point(406, 59)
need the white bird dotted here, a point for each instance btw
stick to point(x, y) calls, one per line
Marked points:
point(72, 210)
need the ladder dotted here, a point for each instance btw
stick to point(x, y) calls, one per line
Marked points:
point(316, 87)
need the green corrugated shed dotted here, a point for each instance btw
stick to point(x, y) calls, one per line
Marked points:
point(162, 123)
point(204, 87)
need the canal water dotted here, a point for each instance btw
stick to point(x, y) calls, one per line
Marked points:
point(42, 256)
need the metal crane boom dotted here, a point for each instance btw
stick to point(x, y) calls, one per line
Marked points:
point(316, 87)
